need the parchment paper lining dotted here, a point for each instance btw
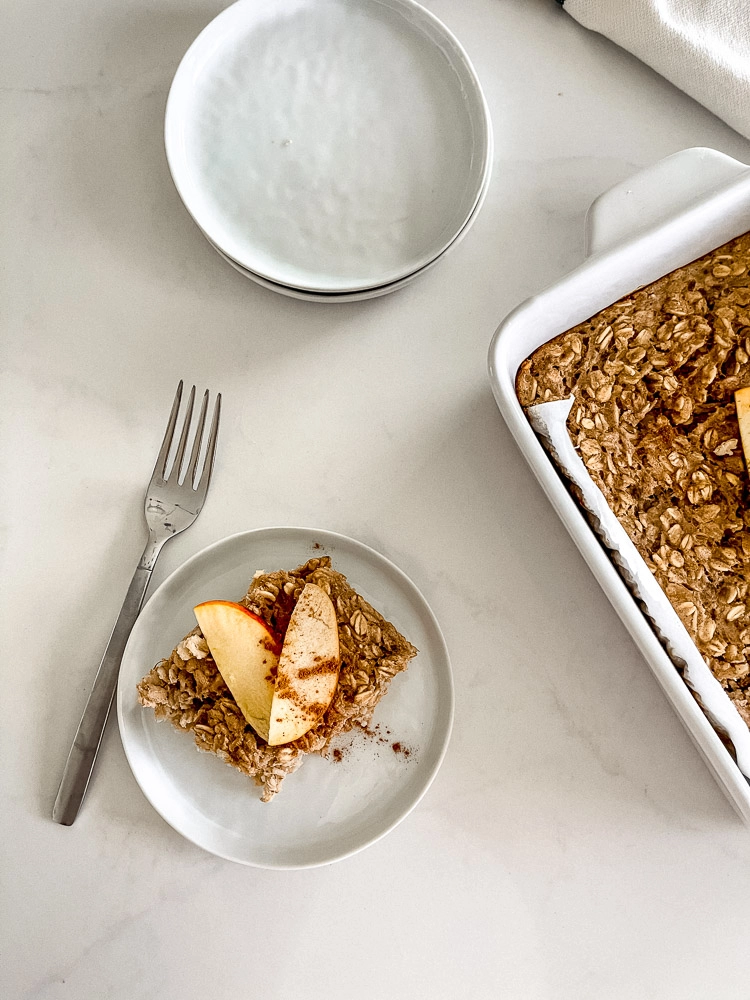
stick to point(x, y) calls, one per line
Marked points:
point(549, 421)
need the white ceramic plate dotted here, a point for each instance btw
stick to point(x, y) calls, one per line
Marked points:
point(328, 145)
point(368, 293)
point(327, 810)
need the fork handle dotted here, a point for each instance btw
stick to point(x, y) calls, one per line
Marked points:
point(88, 737)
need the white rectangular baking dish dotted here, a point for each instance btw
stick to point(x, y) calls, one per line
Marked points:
point(662, 218)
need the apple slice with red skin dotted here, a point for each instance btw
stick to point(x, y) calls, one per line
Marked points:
point(246, 653)
point(308, 668)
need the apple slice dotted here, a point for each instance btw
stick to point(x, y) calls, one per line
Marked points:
point(308, 669)
point(742, 402)
point(246, 653)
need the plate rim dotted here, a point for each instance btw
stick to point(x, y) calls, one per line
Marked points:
point(323, 534)
point(479, 113)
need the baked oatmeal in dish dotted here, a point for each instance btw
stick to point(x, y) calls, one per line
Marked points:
point(654, 419)
point(188, 689)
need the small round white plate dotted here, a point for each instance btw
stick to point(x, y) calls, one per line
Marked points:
point(328, 145)
point(327, 810)
point(368, 293)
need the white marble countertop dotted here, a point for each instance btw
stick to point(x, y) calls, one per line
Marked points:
point(573, 844)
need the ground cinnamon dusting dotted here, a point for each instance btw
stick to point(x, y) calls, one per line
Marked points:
point(326, 667)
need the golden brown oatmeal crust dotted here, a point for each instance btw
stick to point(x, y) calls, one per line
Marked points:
point(655, 423)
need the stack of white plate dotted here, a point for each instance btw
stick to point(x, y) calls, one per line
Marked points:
point(329, 149)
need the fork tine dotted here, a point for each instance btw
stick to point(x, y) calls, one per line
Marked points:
point(190, 474)
point(180, 453)
point(161, 458)
point(208, 465)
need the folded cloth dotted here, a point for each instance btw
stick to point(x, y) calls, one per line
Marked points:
point(702, 46)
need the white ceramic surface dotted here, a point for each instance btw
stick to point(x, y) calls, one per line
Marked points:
point(683, 207)
point(326, 810)
point(369, 293)
point(328, 145)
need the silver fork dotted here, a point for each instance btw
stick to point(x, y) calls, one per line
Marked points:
point(171, 506)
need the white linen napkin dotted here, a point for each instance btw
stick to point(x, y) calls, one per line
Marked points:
point(702, 46)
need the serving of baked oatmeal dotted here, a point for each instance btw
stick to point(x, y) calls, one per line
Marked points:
point(187, 689)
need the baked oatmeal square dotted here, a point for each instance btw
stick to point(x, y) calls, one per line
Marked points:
point(187, 689)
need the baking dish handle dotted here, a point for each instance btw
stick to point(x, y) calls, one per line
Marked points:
point(656, 194)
